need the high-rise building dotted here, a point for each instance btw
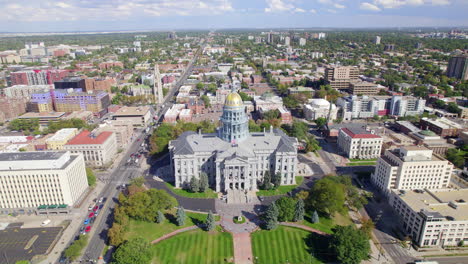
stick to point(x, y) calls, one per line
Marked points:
point(270, 38)
point(377, 40)
point(31, 179)
point(75, 100)
point(458, 67)
point(25, 91)
point(340, 77)
point(37, 77)
point(287, 41)
point(363, 88)
point(302, 42)
point(41, 102)
point(10, 108)
point(233, 159)
point(389, 47)
point(411, 168)
point(71, 82)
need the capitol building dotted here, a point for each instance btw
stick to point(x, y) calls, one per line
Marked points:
point(233, 158)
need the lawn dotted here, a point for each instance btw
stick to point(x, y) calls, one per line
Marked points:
point(367, 163)
point(152, 231)
point(326, 224)
point(281, 189)
point(359, 160)
point(195, 247)
point(282, 245)
point(185, 193)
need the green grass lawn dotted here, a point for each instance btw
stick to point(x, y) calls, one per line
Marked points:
point(208, 194)
point(282, 245)
point(282, 189)
point(367, 163)
point(359, 160)
point(326, 224)
point(152, 231)
point(195, 247)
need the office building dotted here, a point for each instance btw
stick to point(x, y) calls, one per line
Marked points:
point(37, 77)
point(233, 159)
point(41, 102)
point(267, 101)
point(122, 129)
point(442, 126)
point(363, 88)
point(410, 168)
point(355, 107)
point(31, 179)
point(458, 67)
point(137, 116)
point(287, 41)
point(389, 47)
point(270, 38)
point(60, 138)
point(302, 42)
point(98, 149)
point(320, 108)
point(341, 76)
point(71, 82)
point(359, 143)
point(433, 218)
point(110, 64)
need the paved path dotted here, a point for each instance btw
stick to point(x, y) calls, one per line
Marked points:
point(242, 248)
point(178, 231)
point(308, 228)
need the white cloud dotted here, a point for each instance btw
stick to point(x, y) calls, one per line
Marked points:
point(299, 10)
point(369, 6)
point(339, 6)
point(278, 6)
point(333, 11)
point(440, 2)
point(72, 10)
point(313, 11)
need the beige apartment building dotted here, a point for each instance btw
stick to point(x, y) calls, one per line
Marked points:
point(411, 168)
point(433, 218)
point(30, 179)
point(61, 137)
point(363, 88)
point(138, 116)
point(123, 131)
point(358, 143)
point(98, 149)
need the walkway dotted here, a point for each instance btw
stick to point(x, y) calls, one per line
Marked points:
point(307, 228)
point(242, 248)
point(178, 231)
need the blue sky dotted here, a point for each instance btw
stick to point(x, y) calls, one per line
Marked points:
point(90, 15)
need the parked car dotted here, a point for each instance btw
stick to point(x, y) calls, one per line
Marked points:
point(87, 229)
point(95, 208)
point(91, 215)
point(86, 222)
point(101, 199)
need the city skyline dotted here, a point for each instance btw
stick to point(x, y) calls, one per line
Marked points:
point(73, 15)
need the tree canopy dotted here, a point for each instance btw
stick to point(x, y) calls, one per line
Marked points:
point(135, 251)
point(350, 245)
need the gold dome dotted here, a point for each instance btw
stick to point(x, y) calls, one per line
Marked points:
point(233, 99)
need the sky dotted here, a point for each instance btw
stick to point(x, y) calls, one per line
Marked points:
point(104, 15)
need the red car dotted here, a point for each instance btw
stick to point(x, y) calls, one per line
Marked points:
point(91, 215)
point(87, 229)
point(95, 208)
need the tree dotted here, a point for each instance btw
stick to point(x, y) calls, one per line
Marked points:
point(204, 184)
point(349, 244)
point(116, 234)
point(160, 217)
point(271, 217)
point(320, 122)
point(453, 108)
point(327, 196)
point(315, 218)
point(367, 225)
point(135, 251)
point(180, 216)
point(200, 86)
point(299, 211)
point(266, 184)
point(74, 250)
point(138, 181)
point(302, 195)
point(210, 221)
point(194, 184)
point(206, 100)
point(285, 207)
point(276, 180)
point(91, 177)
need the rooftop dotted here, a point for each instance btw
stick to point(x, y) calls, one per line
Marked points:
point(354, 132)
point(63, 134)
point(444, 123)
point(132, 111)
point(87, 138)
point(437, 201)
point(36, 155)
point(43, 115)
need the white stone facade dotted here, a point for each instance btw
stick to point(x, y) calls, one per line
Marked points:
point(30, 179)
point(359, 144)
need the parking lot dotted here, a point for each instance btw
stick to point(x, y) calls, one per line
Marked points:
point(23, 244)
